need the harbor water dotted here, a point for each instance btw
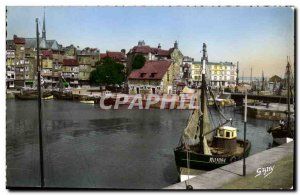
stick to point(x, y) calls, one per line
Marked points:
point(87, 147)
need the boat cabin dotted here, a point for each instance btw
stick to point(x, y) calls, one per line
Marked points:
point(227, 132)
point(226, 139)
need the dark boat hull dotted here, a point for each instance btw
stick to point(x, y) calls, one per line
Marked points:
point(206, 162)
point(62, 96)
point(281, 135)
point(31, 95)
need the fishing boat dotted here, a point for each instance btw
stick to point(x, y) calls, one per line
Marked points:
point(31, 93)
point(284, 131)
point(62, 90)
point(202, 147)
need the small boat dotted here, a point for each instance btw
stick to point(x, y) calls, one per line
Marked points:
point(87, 101)
point(63, 94)
point(48, 98)
point(284, 131)
point(202, 147)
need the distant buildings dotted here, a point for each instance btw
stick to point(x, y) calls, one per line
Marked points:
point(165, 71)
point(221, 74)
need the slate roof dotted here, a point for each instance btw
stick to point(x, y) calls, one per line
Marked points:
point(88, 51)
point(44, 44)
point(152, 70)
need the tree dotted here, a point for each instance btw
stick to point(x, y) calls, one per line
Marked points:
point(108, 72)
point(138, 62)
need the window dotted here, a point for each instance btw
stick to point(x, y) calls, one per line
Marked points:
point(152, 75)
point(168, 77)
point(143, 75)
point(228, 134)
point(221, 133)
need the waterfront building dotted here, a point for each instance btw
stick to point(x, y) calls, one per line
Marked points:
point(70, 71)
point(21, 64)
point(155, 77)
point(151, 53)
point(220, 74)
point(47, 67)
point(87, 59)
point(10, 64)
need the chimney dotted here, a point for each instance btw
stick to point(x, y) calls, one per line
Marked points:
point(176, 45)
point(123, 51)
point(159, 47)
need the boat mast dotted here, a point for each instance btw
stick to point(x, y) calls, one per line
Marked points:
point(203, 88)
point(288, 93)
point(39, 104)
point(251, 78)
point(263, 81)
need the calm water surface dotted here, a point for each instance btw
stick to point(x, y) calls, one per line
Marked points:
point(86, 147)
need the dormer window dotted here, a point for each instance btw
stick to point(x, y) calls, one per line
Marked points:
point(153, 75)
point(143, 75)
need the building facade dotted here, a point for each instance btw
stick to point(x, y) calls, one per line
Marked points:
point(87, 59)
point(152, 54)
point(156, 77)
point(70, 72)
point(219, 74)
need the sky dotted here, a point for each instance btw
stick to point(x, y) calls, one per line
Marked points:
point(257, 37)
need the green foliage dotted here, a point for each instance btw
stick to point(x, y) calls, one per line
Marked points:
point(108, 72)
point(138, 62)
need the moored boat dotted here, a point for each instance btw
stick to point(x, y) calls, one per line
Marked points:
point(31, 94)
point(202, 147)
point(62, 91)
point(284, 131)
